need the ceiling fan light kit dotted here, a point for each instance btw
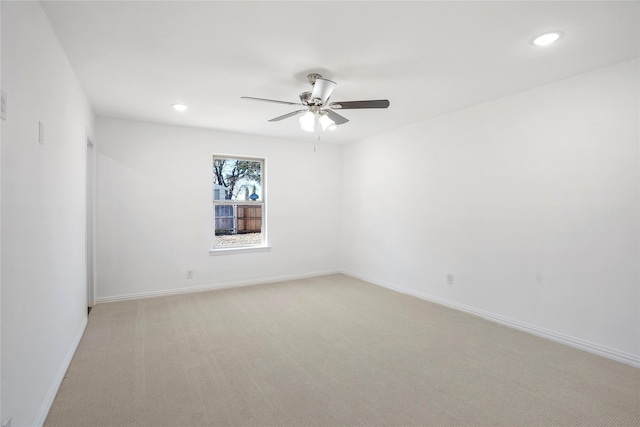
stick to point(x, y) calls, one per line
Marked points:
point(315, 121)
point(319, 115)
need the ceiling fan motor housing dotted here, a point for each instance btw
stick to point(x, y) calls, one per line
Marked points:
point(304, 97)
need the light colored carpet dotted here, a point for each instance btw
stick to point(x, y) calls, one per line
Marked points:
point(329, 351)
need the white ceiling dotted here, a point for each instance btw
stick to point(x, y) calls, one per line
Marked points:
point(136, 58)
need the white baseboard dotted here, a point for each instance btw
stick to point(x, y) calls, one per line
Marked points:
point(609, 353)
point(57, 381)
point(210, 287)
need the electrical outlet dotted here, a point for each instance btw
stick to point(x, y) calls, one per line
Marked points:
point(449, 279)
point(7, 422)
point(189, 274)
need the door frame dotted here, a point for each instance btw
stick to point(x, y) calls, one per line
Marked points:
point(90, 222)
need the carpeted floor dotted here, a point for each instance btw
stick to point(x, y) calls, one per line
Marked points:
point(329, 351)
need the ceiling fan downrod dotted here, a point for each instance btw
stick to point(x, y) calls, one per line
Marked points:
point(313, 77)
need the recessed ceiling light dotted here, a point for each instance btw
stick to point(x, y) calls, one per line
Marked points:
point(179, 107)
point(547, 38)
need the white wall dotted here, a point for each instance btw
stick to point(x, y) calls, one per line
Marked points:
point(44, 304)
point(155, 211)
point(530, 201)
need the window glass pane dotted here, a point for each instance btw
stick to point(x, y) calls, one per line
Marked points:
point(237, 179)
point(238, 201)
point(238, 225)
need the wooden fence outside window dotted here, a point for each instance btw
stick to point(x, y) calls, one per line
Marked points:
point(238, 219)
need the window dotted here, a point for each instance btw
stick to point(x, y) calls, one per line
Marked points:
point(238, 202)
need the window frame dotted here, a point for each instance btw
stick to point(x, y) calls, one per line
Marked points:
point(262, 202)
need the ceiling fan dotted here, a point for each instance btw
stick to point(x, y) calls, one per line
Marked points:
point(318, 114)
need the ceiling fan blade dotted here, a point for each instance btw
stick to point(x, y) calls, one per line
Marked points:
point(351, 105)
point(270, 100)
point(337, 118)
point(277, 119)
point(322, 89)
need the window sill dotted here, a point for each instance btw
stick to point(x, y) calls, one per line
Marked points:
point(239, 250)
